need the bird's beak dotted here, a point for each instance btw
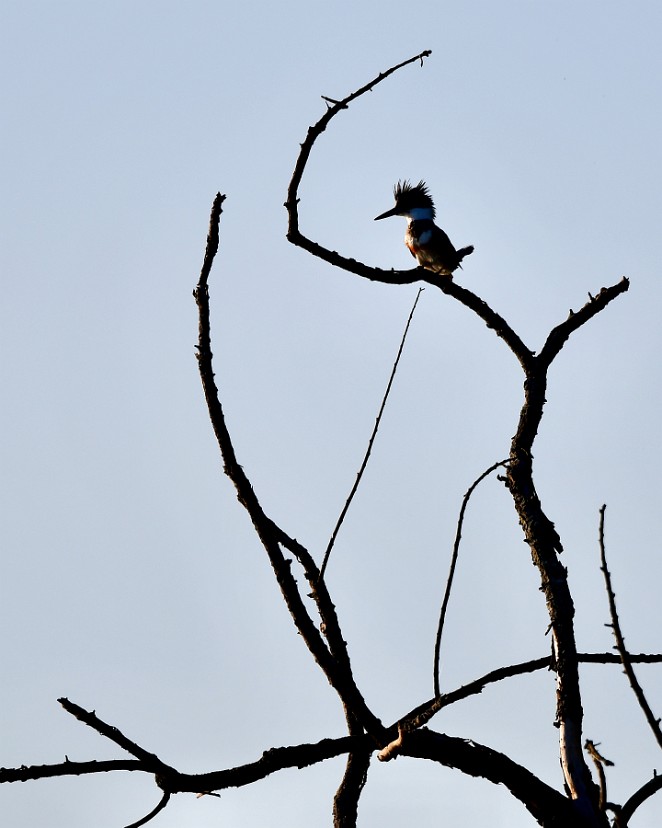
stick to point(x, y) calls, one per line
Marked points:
point(388, 213)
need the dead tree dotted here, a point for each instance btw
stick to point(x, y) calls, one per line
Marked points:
point(583, 803)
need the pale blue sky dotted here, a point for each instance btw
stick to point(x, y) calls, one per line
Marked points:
point(132, 582)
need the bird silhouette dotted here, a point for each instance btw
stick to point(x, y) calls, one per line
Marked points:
point(426, 242)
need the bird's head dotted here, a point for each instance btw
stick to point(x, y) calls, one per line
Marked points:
point(411, 201)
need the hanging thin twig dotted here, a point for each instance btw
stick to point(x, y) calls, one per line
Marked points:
point(451, 573)
point(620, 641)
point(359, 475)
point(150, 816)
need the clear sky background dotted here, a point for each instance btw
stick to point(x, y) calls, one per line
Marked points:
point(131, 580)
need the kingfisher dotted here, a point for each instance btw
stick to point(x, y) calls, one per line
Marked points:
point(428, 243)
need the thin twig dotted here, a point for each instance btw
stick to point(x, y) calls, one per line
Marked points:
point(362, 469)
point(451, 573)
point(150, 816)
point(422, 714)
point(615, 625)
point(600, 762)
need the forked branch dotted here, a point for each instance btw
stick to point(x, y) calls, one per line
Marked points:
point(539, 530)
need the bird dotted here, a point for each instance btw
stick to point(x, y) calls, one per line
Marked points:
point(428, 243)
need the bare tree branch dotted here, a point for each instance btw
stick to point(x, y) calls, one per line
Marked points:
point(400, 277)
point(539, 531)
point(559, 335)
point(294, 235)
point(149, 760)
point(467, 756)
point(333, 659)
point(346, 800)
point(409, 736)
point(545, 546)
point(421, 715)
point(548, 806)
point(451, 573)
point(271, 761)
point(27, 773)
point(371, 441)
point(172, 781)
point(545, 543)
point(615, 625)
point(637, 799)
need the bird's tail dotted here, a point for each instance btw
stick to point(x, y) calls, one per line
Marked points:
point(465, 251)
